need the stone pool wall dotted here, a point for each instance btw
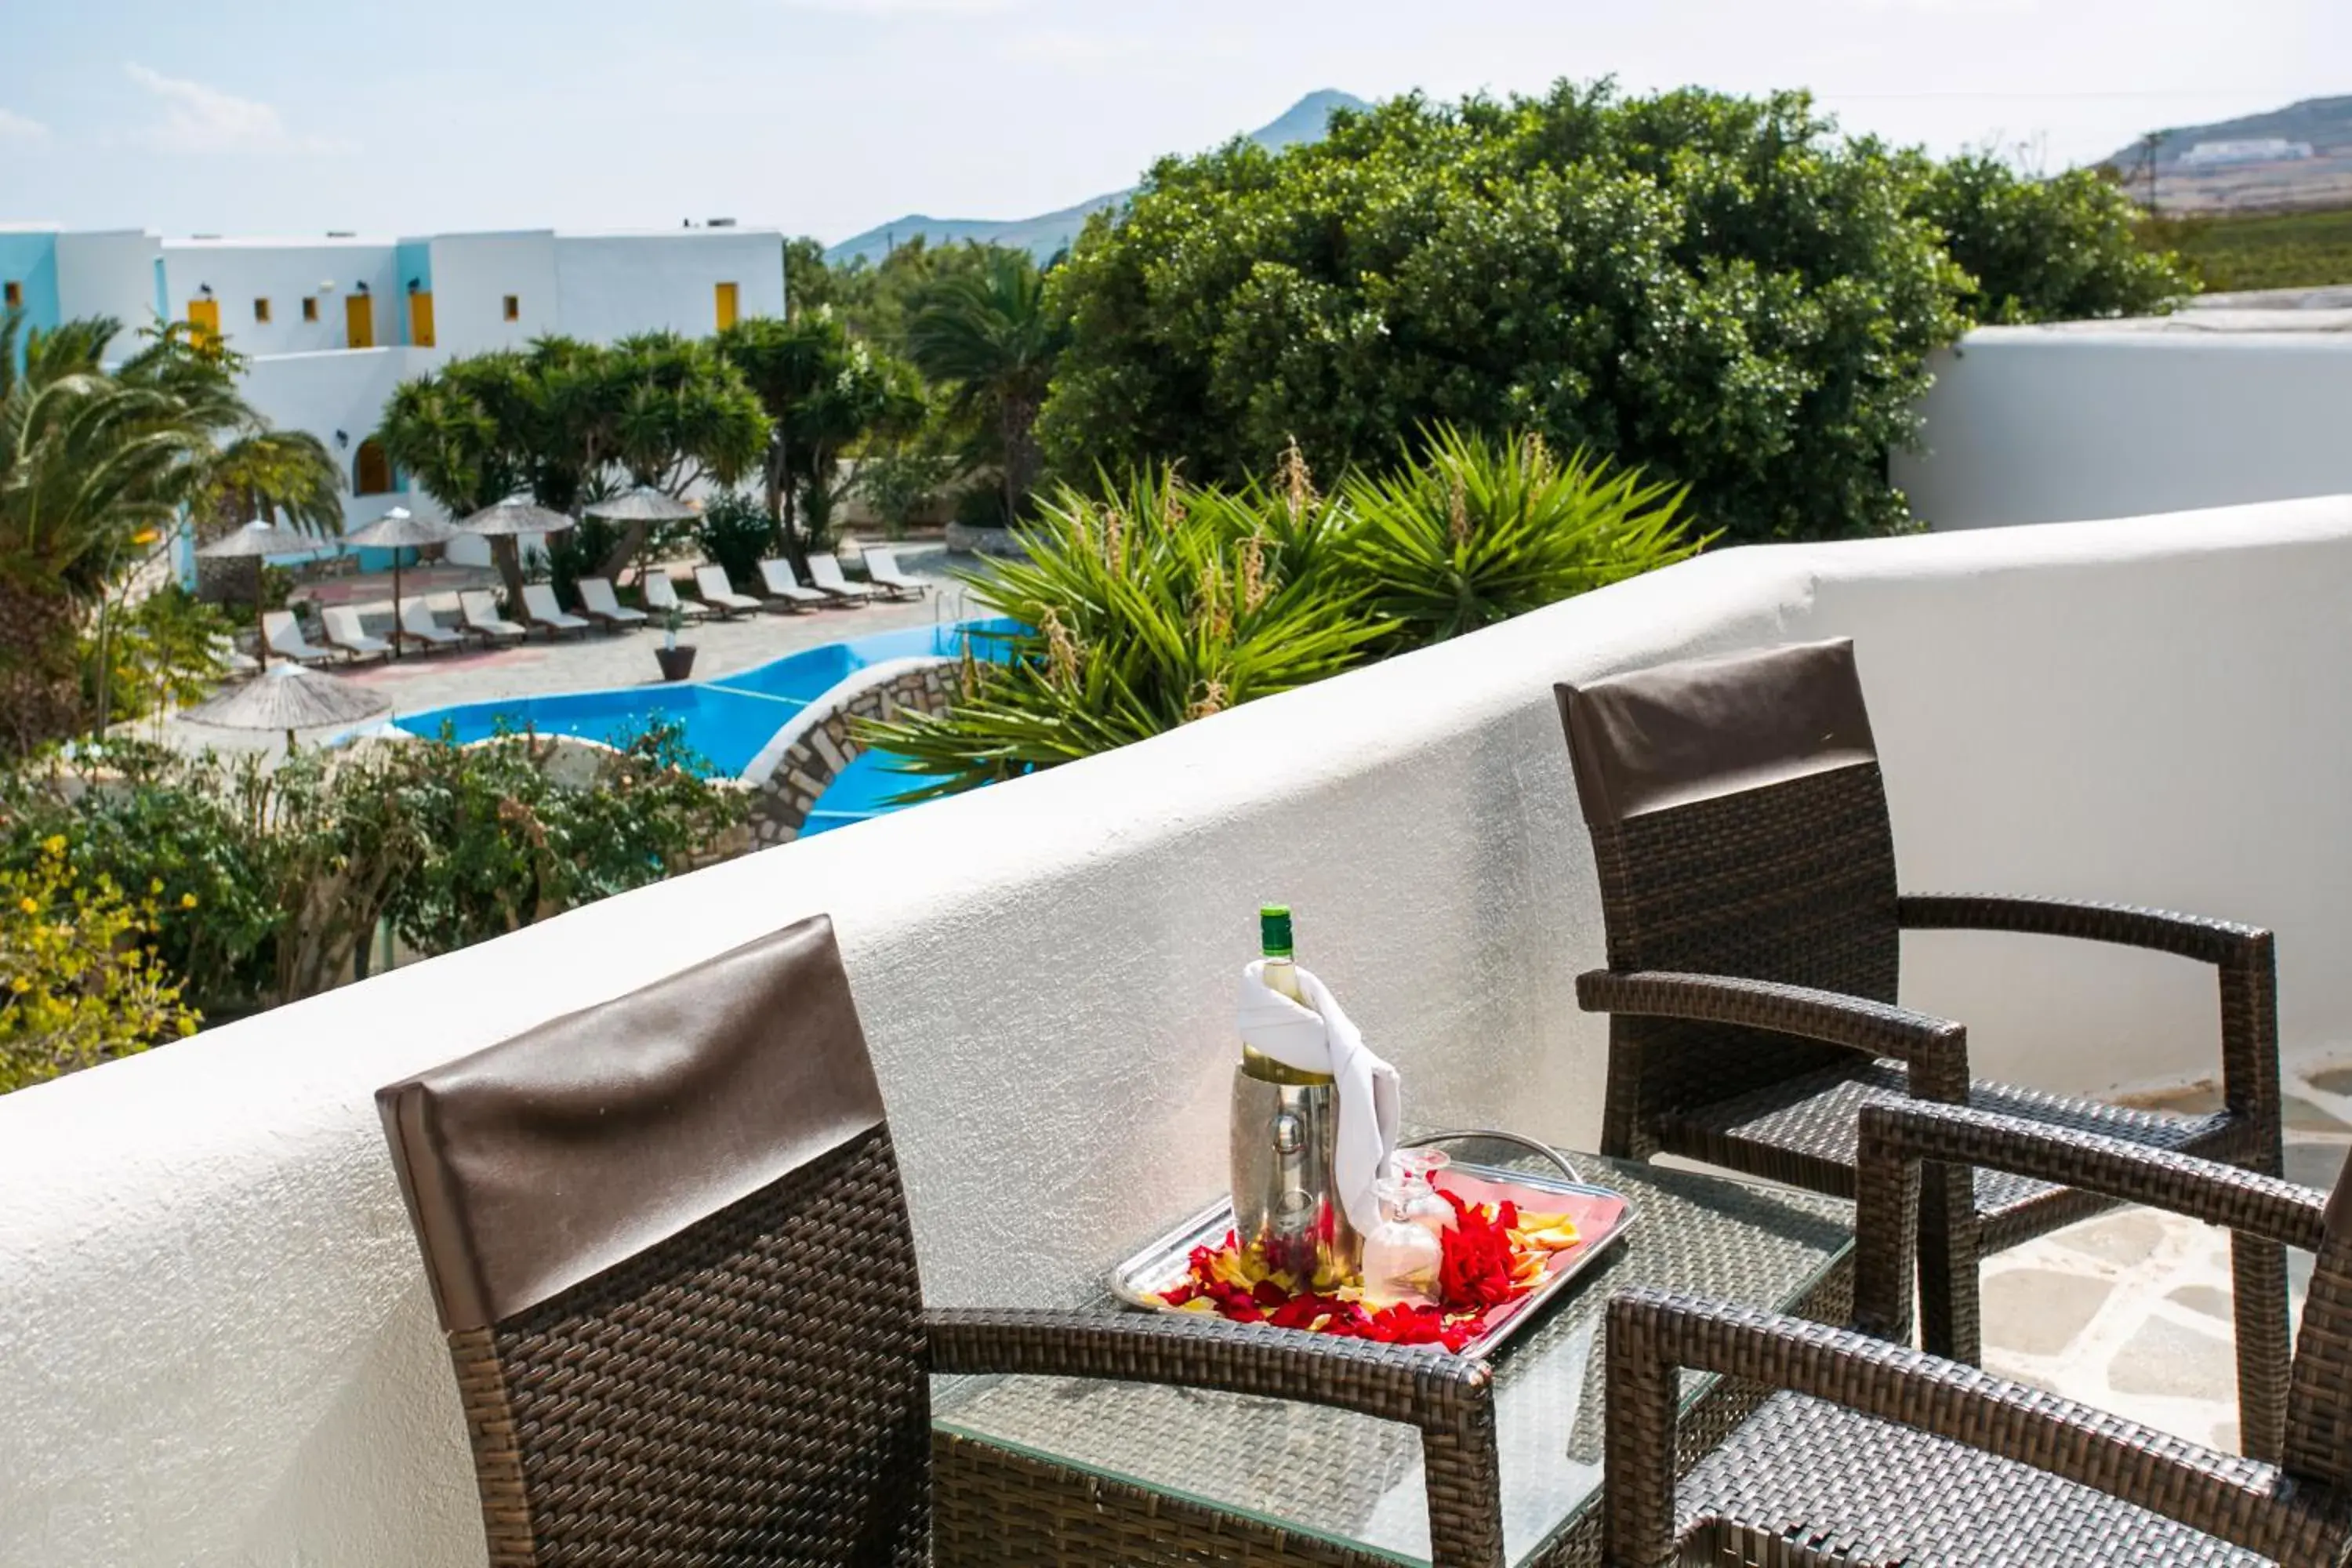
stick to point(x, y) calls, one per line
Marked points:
point(809, 754)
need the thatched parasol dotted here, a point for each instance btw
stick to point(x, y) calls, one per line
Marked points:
point(290, 698)
point(515, 516)
point(396, 530)
point(644, 504)
point(255, 541)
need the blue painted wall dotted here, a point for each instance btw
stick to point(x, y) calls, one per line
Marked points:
point(30, 261)
point(414, 258)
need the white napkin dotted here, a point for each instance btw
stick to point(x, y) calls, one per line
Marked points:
point(1325, 1041)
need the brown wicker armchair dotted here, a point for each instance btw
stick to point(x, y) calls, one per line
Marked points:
point(668, 1242)
point(1747, 866)
point(1875, 1453)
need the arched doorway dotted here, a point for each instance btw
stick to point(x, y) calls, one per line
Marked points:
point(371, 471)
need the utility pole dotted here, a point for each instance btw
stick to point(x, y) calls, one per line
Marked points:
point(2148, 145)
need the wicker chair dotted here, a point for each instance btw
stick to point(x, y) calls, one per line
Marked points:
point(1875, 1453)
point(668, 1242)
point(1747, 864)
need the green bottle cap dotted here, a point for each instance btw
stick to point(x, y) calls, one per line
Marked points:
point(1273, 929)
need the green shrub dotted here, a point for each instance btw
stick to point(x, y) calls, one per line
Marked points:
point(903, 481)
point(2059, 250)
point(1157, 606)
point(163, 652)
point(736, 534)
point(1163, 603)
point(1480, 530)
point(578, 552)
point(1719, 291)
point(78, 984)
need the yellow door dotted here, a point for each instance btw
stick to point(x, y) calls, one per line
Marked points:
point(420, 320)
point(727, 305)
point(203, 316)
point(359, 321)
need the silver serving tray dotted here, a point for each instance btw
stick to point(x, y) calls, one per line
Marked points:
point(1140, 1280)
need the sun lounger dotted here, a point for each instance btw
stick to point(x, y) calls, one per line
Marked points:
point(784, 590)
point(882, 570)
point(417, 625)
point(539, 604)
point(825, 573)
point(236, 666)
point(345, 632)
point(284, 635)
point(596, 599)
point(482, 618)
point(661, 598)
point(721, 595)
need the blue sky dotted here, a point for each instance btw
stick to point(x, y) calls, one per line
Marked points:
point(826, 116)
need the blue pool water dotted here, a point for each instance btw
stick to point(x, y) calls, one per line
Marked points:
point(728, 720)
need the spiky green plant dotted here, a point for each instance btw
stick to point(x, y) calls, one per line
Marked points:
point(1476, 530)
point(1155, 606)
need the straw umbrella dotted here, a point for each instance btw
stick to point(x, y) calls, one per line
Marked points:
point(290, 698)
point(396, 530)
point(256, 540)
point(644, 505)
point(517, 518)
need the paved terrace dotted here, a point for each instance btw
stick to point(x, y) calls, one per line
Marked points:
point(418, 681)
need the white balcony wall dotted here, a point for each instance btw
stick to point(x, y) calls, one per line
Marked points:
point(109, 274)
point(615, 285)
point(217, 1343)
point(2035, 424)
point(474, 275)
point(241, 272)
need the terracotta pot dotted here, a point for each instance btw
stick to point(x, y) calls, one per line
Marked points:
point(676, 663)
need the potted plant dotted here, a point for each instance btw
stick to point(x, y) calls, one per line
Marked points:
point(676, 663)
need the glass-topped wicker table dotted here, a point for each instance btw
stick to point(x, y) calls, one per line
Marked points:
point(1231, 1478)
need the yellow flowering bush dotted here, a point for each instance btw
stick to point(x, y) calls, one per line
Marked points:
point(78, 982)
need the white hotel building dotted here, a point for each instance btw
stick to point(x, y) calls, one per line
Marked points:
point(329, 326)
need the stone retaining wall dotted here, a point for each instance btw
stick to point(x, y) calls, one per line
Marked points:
point(826, 742)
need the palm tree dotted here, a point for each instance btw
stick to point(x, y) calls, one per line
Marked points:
point(87, 466)
point(97, 465)
point(988, 332)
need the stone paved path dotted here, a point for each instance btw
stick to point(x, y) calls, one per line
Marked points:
point(2130, 1312)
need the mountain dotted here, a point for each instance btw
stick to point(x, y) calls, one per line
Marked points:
point(1043, 237)
point(2323, 177)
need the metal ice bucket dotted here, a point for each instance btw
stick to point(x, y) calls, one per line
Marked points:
point(1286, 1199)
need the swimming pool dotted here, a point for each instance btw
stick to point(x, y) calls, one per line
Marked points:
point(729, 719)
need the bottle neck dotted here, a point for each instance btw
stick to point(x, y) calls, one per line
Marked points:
point(1282, 975)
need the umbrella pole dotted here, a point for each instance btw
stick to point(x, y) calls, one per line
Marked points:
point(260, 632)
point(396, 622)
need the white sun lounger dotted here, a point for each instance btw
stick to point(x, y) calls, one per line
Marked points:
point(597, 599)
point(882, 570)
point(345, 632)
point(284, 635)
point(661, 598)
point(824, 571)
point(236, 665)
point(784, 590)
point(417, 625)
point(720, 594)
point(539, 604)
point(482, 618)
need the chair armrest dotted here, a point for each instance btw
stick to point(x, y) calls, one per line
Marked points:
point(1935, 1049)
point(2159, 930)
point(1895, 1138)
point(1652, 1333)
point(1450, 1398)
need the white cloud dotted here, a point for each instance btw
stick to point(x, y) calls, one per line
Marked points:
point(200, 119)
point(16, 131)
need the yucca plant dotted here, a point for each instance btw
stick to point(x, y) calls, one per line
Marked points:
point(1475, 530)
point(1155, 606)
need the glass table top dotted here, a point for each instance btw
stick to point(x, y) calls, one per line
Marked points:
point(1356, 1480)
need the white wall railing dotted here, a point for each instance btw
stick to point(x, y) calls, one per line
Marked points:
point(216, 1344)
